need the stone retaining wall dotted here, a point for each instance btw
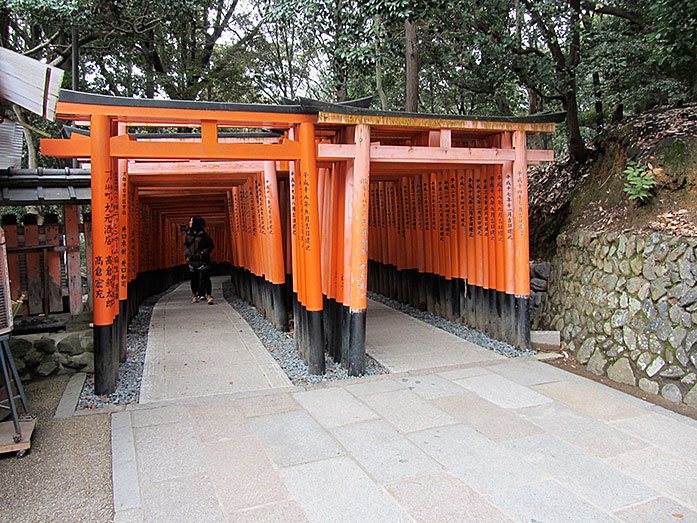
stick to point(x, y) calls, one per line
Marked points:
point(48, 354)
point(626, 307)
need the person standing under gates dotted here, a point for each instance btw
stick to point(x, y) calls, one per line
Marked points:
point(197, 249)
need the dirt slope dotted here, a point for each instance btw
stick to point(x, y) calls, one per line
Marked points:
point(565, 196)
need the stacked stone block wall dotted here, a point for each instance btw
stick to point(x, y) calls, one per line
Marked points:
point(39, 356)
point(626, 307)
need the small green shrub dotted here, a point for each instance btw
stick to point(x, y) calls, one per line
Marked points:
point(640, 182)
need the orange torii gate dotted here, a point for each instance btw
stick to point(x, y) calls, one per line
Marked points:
point(437, 202)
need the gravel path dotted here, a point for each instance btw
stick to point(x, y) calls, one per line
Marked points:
point(457, 329)
point(130, 371)
point(281, 345)
point(66, 476)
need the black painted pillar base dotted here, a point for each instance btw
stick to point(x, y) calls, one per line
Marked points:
point(123, 330)
point(345, 335)
point(278, 307)
point(315, 339)
point(104, 361)
point(522, 324)
point(509, 315)
point(357, 326)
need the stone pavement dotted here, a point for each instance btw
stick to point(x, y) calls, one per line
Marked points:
point(196, 349)
point(478, 439)
point(402, 343)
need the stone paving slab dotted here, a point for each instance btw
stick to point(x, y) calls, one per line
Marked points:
point(124, 467)
point(334, 407)
point(242, 475)
point(345, 493)
point(590, 478)
point(181, 500)
point(496, 423)
point(407, 411)
point(167, 452)
point(530, 372)
point(285, 511)
point(430, 386)
point(503, 392)
point(547, 501)
point(596, 437)
point(592, 398)
point(658, 510)
point(386, 454)
point(479, 462)
point(293, 438)
point(665, 473)
point(666, 433)
point(442, 497)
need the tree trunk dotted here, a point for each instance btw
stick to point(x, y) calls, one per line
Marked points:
point(617, 113)
point(149, 45)
point(378, 65)
point(533, 101)
point(502, 104)
point(4, 26)
point(32, 159)
point(597, 92)
point(412, 67)
point(577, 147)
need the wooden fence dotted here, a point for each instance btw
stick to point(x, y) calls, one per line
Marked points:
point(45, 261)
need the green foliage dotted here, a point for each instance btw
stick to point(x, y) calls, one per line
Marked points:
point(495, 57)
point(640, 181)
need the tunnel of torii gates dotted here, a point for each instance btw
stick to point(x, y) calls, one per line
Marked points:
point(430, 210)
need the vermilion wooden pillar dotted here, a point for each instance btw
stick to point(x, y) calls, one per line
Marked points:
point(277, 273)
point(309, 230)
point(104, 237)
point(123, 261)
point(359, 250)
point(521, 239)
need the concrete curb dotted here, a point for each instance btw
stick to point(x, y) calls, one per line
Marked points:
point(126, 487)
point(71, 395)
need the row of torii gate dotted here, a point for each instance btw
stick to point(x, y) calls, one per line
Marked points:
point(301, 200)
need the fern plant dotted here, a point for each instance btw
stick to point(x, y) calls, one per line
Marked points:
point(640, 181)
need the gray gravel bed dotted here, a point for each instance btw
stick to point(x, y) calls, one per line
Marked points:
point(457, 329)
point(130, 371)
point(281, 345)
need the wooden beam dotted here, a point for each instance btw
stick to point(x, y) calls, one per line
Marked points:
point(175, 116)
point(127, 147)
point(77, 146)
point(404, 154)
point(436, 122)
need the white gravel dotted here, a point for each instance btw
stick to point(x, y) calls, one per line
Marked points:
point(130, 371)
point(281, 345)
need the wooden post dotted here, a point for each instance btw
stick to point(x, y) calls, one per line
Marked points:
point(104, 236)
point(33, 264)
point(123, 261)
point(9, 225)
point(87, 232)
point(359, 250)
point(53, 271)
point(521, 240)
point(72, 243)
point(277, 273)
point(311, 238)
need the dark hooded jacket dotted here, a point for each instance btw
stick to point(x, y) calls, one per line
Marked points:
point(197, 248)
